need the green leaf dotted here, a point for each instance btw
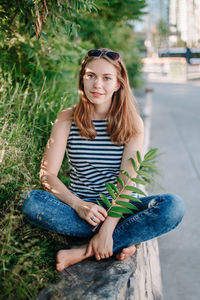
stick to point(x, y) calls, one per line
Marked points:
point(145, 174)
point(138, 180)
point(134, 164)
point(151, 154)
point(127, 204)
point(120, 181)
point(115, 215)
point(30, 3)
point(113, 186)
point(134, 189)
point(129, 197)
point(110, 190)
point(99, 203)
point(105, 200)
point(148, 165)
point(139, 159)
point(125, 173)
point(120, 209)
point(45, 36)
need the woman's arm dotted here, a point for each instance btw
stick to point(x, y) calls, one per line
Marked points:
point(50, 166)
point(53, 157)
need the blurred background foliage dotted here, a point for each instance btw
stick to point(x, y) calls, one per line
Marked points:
point(64, 31)
point(41, 45)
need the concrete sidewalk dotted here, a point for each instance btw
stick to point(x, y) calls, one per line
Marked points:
point(175, 131)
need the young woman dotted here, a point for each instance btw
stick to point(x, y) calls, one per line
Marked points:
point(100, 134)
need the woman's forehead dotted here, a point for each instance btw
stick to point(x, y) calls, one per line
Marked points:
point(100, 66)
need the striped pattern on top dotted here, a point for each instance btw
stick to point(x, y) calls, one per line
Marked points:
point(93, 162)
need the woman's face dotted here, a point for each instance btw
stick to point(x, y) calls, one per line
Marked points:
point(100, 82)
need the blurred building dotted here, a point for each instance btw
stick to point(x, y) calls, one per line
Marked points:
point(157, 10)
point(184, 20)
point(180, 18)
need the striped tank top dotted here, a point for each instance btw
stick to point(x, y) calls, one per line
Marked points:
point(92, 162)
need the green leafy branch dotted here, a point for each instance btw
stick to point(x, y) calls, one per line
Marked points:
point(143, 168)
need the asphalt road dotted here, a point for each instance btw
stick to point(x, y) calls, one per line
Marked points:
point(175, 130)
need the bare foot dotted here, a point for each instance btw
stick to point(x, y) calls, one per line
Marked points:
point(126, 252)
point(66, 258)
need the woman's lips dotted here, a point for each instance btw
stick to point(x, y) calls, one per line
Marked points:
point(96, 94)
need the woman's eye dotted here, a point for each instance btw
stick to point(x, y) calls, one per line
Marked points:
point(107, 78)
point(90, 76)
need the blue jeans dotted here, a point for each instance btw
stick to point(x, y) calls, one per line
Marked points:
point(157, 215)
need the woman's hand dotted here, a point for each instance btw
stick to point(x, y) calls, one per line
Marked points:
point(91, 212)
point(101, 245)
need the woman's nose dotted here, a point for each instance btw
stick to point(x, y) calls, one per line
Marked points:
point(98, 82)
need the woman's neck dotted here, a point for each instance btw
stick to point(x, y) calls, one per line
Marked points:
point(99, 117)
point(100, 113)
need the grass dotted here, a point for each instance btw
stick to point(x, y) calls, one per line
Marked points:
point(27, 254)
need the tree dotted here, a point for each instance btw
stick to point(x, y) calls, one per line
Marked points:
point(163, 31)
point(32, 29)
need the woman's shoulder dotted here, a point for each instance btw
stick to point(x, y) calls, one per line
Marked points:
point(140, 123)
point(63, 121)
point(66, 115)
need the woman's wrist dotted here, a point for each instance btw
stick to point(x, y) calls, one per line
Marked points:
point(105, 230)
point(109, 225)
point(76, 204)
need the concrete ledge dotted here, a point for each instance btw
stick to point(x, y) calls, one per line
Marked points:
point(148, 284)
point(136, 278)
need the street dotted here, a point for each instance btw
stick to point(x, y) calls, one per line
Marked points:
point(175, 130)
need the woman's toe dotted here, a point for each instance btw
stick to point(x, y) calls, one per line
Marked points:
point(58, 267)
point(126, 250)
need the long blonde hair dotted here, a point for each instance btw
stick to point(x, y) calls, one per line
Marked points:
point(123, 116)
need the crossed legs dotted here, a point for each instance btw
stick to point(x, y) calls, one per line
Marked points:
point(158, 214)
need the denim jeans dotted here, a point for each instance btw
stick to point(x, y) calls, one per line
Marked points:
point(158, 214)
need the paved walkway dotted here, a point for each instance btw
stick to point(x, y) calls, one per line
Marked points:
point(175, 129)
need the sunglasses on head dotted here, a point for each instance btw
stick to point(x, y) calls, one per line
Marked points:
point(110, 54)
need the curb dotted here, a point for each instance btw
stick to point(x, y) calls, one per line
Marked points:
point(147, 277)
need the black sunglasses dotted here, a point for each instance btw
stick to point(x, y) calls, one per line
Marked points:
point(110, 54)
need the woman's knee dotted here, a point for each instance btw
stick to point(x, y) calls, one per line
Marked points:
point(175, 208)
point(31, 203)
